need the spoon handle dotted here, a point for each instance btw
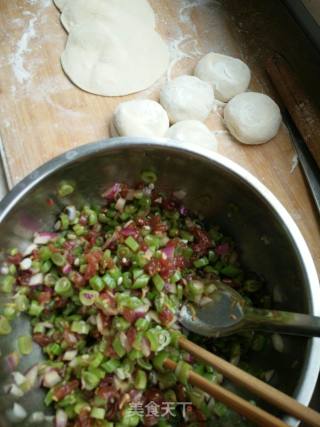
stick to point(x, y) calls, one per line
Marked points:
point(282, 321)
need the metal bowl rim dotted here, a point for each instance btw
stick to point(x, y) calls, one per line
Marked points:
point(312, 365)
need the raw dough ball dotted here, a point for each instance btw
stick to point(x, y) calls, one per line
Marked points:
point(229, 76)
point(252, 118)
point(187, 97)
point(83, 12)
point(140, 117)
point(194, 132)
point(60, 3)
point(114, 60)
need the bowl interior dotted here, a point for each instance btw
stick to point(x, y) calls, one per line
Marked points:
point(212, 189)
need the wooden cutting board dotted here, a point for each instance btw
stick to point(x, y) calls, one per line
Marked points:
point(42, 114)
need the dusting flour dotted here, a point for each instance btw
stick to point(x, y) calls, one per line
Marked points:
point(17, 59)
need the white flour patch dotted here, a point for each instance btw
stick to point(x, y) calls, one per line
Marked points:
point(17, 59)
point(186, 10)
point(176, 52)
point(65, 111)
point(50, 87)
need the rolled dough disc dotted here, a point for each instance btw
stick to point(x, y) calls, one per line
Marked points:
point(114, 60)
point(83, 12)
point(60, 3)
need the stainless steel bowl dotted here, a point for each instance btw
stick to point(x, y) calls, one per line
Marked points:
point(224, 193)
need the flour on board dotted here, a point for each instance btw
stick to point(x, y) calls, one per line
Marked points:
point(17, 60)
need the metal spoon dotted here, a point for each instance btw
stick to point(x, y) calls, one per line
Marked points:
point(227, 314)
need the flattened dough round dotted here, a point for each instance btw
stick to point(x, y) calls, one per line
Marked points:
point(114, 60)
point(194, 132)
point(252, 118)
point(84, 12)
point(187, 97)
point(60, 3)
point(140, 117)
point(229, 76)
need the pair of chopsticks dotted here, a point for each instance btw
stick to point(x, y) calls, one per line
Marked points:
point(251, 383)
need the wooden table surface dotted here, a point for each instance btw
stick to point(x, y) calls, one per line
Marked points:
point(42, 114)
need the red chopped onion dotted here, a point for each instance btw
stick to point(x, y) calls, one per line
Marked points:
point(168, 251)
point(18, 378)
point(14, 390)
point(112, 192)
point(51, 379)
point(29, 249)
point(26, 264)
point(4, 269)
point(124, 341)
point(13, 360)
point(70, 355)
point(43, 238)
point(61, 418)
point(100, 325)
point(37, 417)
point(154, 316)
point(36, 280)
point(17, 413)
point(183, 211)
point(32, 375)
point(71, 212)
point(120, 204)
point(222, 249)
point(66, 269)
point(170, 287)
point(129, 230)
point(145, 347)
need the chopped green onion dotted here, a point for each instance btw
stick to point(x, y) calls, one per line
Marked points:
point(90, 380)
point(65, 189)
point(149, 177)
point(25, 345)
point(7, 283)
point(140, 381)
point(201, 262)
point(132, 243)
point(80, 327)
point(98, 413)
point(158, 282)
point(109, 281)
point(35, 309)
point(230, 271)
point(111, 365)
point(141, 281)
point(142, 324)
point(97, 283)
point(159, 359)
point(88, 297)
point(118, 347)
point(5, 327)
point(58, 259)
point(63, 287)
point(182, 372)
point(159, 338)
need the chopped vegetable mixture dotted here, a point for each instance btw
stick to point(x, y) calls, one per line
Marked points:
point(103, 292)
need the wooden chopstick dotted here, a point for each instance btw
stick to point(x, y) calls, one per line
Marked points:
point(242, 406)
point(268, 393)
